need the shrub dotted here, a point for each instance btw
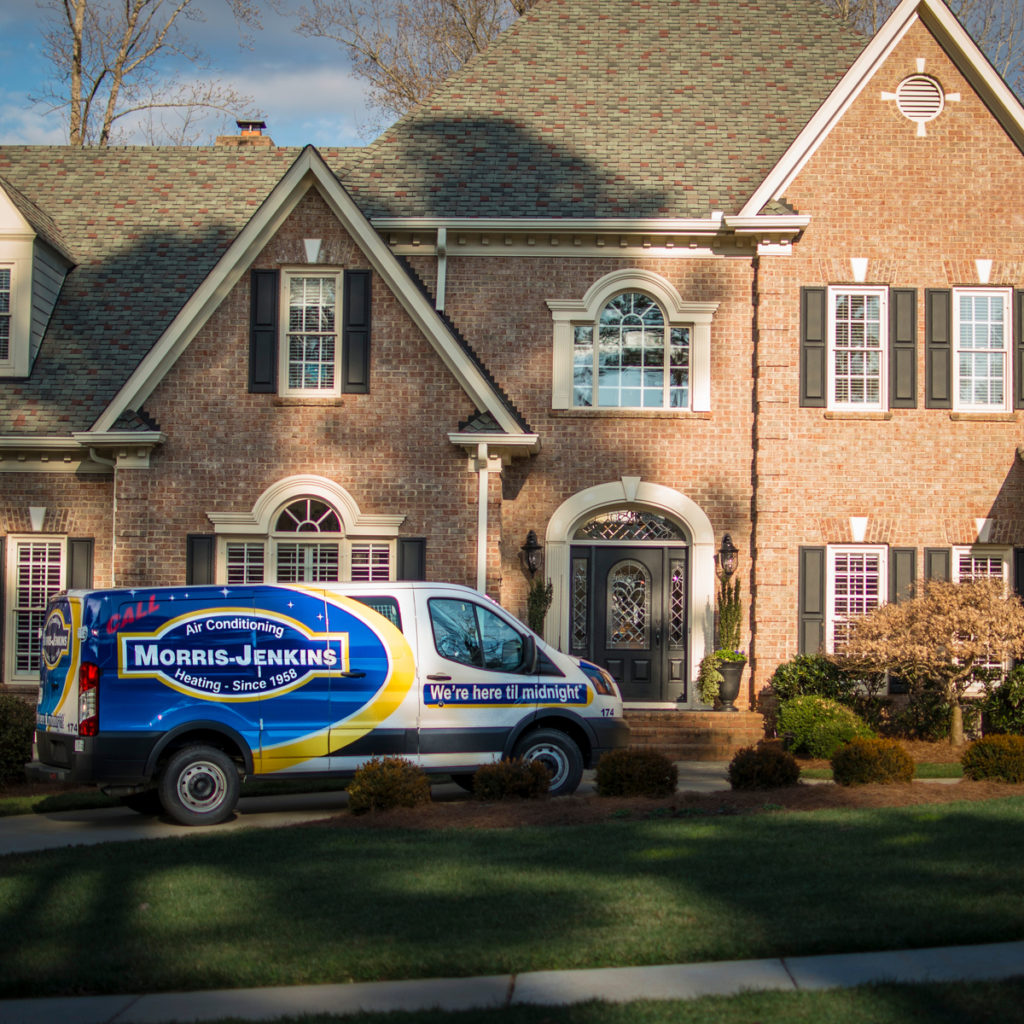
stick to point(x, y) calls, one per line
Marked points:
point(636, 772)
point(926, 716)
point(997, 757)
point(766, 766)
point(17, 723)
point(514, 778)
point(1003, 706)
point(864, 760)
point(812, 675)
point(816, 726)
point(387, 782)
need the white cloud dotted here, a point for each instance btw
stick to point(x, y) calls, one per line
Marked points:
point(26, 124)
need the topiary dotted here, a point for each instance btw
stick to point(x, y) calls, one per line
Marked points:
point(635, 772)
point(17, 724)
point(383, 783)
point(766, 766)
point(864, 760)
point(511, 779)
point(816, 726)
point(998, 757)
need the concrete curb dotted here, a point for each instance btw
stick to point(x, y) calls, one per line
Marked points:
point(547, 988)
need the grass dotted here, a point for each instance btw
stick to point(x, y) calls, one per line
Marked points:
point(319, 904)
point(960, 1003)
point(952, 770)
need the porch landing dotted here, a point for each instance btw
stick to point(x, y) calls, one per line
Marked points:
point(695, 735)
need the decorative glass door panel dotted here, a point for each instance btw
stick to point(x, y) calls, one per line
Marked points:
point(629, 607)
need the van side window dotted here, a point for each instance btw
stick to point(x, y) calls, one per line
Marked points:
point(474, 635)
point(386, 606)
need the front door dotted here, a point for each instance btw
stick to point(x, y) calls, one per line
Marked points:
point(629, 613)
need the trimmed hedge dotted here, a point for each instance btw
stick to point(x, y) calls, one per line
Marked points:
point(766, 766)
point(636, 772)
point(998, 757)
point(865, 760)
point(511, 779)
point(17, 724)
point(817, 726)
point(384, 783)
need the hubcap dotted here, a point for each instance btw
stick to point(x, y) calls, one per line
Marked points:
point(554, 759)
point(201, 787)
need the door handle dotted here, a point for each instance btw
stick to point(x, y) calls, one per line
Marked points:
point(439, 677)
point(657, 637)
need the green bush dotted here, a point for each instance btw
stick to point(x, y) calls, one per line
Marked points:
point(816, 725)
point(387, 782)
point(511, 779)
point(636, 772)
point(1003, 706)
point(997, 757)
point(766, 766)
point(926, 716)
point(812, 675)
point(864, 760)
point(17, 724)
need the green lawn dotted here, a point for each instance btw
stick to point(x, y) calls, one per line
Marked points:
point(318, 904)
point(924, 770)
point(882, 1004)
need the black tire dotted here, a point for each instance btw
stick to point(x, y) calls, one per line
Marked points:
point(559, 753)
point(464, 780)
point(147, 802)
point(199, 786)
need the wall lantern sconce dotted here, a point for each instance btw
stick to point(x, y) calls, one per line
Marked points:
point(727, 557)
point(529, 554)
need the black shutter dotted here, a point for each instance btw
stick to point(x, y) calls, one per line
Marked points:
point(355, 336)
point(1018, 571)
point(903, 348)
point(938, 349)
point(1018, 350)
point(80, 563)
point(412, 558)
point(200, 559)
point(811, 601)
point(263, 327)
point(938, 564)
point(813, 347)
point(902, 573)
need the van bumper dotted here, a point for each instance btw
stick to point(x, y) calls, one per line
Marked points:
point(609, 734)
point(110, 758)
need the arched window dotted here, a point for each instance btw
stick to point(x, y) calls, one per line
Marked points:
point(307, 544)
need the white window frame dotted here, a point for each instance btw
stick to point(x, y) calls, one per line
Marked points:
point(835, 552)
point(567, 314)
point(352, 555)
point(882, 293)
point(16, 256)
point(992, 553)
point(284, 347)
point(6, 315)
point(969, 406)
point(12, 674)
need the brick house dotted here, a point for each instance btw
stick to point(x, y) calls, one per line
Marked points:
point(799, 250)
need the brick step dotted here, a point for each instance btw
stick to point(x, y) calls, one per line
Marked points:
point(694, 735)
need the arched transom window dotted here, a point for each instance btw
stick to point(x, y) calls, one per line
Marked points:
point(631, 358)
point(307, 544)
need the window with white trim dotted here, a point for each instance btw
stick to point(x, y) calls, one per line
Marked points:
point(5, 314)
point(630, 358)
point(35, 572)
point(856, 584)
point(857, 347)
point(307, 545)
point(312, 350)
point(982, 327)
point(982, 563)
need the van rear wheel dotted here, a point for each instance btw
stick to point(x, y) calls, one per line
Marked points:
point(199, 786)
point(558, 753)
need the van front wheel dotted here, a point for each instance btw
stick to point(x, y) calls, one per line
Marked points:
point(199, 786)
point(558, 753)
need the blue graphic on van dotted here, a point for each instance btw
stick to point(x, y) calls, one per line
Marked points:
point(56, 638)
point(232, 654)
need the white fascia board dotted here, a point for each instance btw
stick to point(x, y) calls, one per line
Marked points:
point(229, 268)
point(115, 438)
point(936, 16)
point(505, 445)
point(774, 225)
point(38, 444)
point(671, 225)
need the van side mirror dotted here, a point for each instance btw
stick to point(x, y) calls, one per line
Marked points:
point(529, 661)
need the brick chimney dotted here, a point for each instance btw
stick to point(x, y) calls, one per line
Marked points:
point(250, 135)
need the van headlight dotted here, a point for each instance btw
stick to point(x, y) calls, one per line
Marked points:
point(601, 678)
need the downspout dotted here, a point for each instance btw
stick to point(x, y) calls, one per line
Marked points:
point(442, 267)
point(483, 464)
point(113, 521)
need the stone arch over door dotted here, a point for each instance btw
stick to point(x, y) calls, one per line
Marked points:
point(632, 492)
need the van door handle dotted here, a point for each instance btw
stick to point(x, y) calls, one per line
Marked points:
point(439, 677)
point(354, 675)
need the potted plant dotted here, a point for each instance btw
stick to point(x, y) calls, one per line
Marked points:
point(720, 671)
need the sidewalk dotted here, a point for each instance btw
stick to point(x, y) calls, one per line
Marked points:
point(542, 988)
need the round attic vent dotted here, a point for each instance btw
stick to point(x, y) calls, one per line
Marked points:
point(919, 98)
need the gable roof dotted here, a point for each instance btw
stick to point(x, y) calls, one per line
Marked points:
point(613, 108)
point(40, 222)
point(953, 38)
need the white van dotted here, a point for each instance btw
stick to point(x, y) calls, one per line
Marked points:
point(168, 697)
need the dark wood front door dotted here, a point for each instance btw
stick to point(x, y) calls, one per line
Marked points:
point(629, 614)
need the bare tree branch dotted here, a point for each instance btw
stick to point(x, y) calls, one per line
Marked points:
point(114, 59)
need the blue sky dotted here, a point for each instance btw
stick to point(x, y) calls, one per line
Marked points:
point(302, 85)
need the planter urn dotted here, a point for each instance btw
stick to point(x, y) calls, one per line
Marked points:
point(729, 688)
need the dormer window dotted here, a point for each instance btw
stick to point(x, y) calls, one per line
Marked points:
point(5, 313)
